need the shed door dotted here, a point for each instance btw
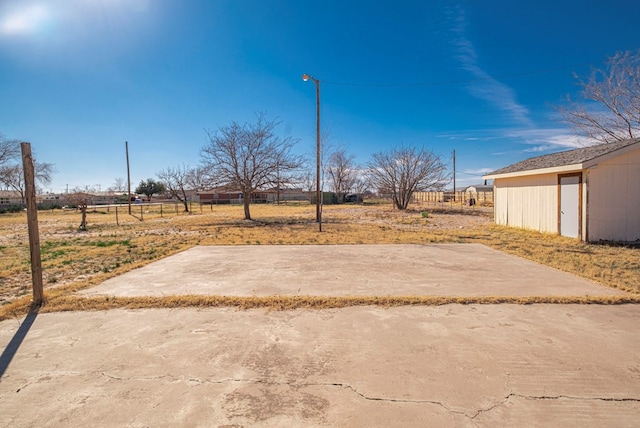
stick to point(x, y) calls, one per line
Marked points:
point(569, 206)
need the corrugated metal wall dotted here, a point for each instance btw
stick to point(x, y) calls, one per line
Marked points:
point(614, 199)
point(529, 202)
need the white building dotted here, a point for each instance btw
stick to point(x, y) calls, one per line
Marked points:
point(591, 193)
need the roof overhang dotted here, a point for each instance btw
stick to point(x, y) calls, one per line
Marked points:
point(541, 171)
point(592, 163)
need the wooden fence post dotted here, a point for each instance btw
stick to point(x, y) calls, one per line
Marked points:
point(32, 223)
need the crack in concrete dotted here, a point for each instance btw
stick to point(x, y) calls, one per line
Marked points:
point(570, 397)
point(391, 400)
point(112, 377)
point(552, 397)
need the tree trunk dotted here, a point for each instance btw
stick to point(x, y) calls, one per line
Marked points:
point(247, 201)
point(184, 200)
point(83, 223)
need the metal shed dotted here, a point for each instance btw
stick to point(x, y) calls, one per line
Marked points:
point(591, 193)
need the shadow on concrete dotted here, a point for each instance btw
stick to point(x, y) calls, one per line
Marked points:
point(13, 346)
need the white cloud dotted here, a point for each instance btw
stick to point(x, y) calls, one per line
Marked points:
point(484, 86)
point(478, 171)
point(547, 139)
point(26, 20)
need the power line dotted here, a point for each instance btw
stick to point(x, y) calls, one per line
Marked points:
point(461, 82)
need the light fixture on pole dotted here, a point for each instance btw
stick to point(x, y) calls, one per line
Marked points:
point(307, 77)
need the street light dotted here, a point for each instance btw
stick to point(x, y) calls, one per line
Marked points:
point(306, 77)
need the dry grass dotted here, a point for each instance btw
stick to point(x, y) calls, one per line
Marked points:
point(75, 260)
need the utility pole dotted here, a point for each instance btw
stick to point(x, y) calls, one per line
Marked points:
point(454, 175)
point(126, 147)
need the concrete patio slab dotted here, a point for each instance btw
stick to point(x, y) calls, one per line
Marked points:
point(339, 270)
point(453, 365)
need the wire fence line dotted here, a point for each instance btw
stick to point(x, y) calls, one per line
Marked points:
point(146, 210)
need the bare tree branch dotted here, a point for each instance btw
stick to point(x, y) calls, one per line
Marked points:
point(611, 107)
point(12, 176)
point(9, 150)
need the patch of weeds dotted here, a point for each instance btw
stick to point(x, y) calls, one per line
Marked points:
point(424, 214)
point(126, 243)
point(53, 244)
point(53, 254)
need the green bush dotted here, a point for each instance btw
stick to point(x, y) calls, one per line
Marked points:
point(10, 209)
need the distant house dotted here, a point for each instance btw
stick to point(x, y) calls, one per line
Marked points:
point(223, 195)
point(284, 194)
point(10, 197)
point(591, 193)
point(220, 196)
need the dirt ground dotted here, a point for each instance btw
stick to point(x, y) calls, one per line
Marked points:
point(70, 256)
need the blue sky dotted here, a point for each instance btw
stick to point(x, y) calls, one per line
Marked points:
point(78, 78)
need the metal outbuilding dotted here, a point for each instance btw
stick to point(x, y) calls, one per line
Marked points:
point(591, 193)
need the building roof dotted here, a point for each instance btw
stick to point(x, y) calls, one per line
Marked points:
point(569, 157)
point(10, 194)
point(480, 188)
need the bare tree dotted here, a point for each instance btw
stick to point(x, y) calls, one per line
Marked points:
point(342, 172)
point(249, 157)
point(119, 185)
point(308, 183)
point(9, 150)
point(611, 108)
point(12, 176)
point(361, 184)
point(176, 182)
point(402, 171)
point(81, 198)
point(199, 179)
